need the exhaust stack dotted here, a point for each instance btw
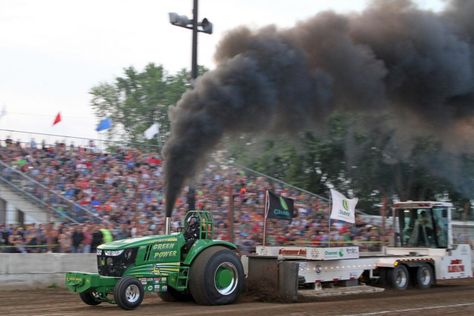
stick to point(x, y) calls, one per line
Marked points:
point(167, 225)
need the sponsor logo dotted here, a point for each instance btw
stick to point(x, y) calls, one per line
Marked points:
point(345, 204)
point(283, 204)
point(156, 269)
point(344, 212)
point(283, 213)
point(292, 252)
point(314, 252)
point(169, 239)
point(334, 253)
point(166, 254)
point(456, 266)
point(352, 251)
point(74, 279)
point(164, 246)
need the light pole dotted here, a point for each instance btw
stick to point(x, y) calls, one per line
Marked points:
point(204, 26)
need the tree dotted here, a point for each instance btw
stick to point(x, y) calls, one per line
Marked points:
point(364, 158)
point(138, 99)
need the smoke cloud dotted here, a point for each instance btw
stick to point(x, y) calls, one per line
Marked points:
point(393, 57)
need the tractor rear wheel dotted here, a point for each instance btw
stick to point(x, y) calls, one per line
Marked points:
point(90, 297)
point(128, 293)
point(216, 277)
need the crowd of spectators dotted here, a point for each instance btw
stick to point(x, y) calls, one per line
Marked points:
point(122, 191)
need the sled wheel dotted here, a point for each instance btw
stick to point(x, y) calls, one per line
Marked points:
point(128, 293)
point(398, 278)
point(424, 276)
point(90, 297)
point(216, 277)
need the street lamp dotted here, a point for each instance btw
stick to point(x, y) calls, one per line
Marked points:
point(205, 26)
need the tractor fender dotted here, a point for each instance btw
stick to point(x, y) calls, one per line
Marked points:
point(202, 244)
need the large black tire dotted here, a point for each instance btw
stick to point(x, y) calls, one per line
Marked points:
point(398, 278)
point(382, 281)
point(128, 293)
point(90, 297)
point(424, 276)
point(216, 277)
point(172, 295)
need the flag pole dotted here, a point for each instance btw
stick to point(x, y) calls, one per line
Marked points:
point(265, 214)
point(329, 225)
point(158, 141)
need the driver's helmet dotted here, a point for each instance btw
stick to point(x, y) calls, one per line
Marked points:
point(192, 220)
point(192, 227)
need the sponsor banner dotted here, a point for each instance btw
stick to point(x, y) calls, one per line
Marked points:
point(310, 253)
point(343, 209)
point(279, 207)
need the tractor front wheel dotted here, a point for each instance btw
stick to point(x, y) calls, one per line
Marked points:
point(128, 293)
point(90, 297)
point(216, 277)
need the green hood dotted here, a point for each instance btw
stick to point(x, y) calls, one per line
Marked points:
point(136, 242)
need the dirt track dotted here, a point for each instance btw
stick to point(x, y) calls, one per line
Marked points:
point(448, 298)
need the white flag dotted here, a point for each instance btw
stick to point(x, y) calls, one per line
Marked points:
point(3, 112)
point(152, 131)
point(343, 208)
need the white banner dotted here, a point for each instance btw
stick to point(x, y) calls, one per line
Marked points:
point(152, 131)
point(343, 209)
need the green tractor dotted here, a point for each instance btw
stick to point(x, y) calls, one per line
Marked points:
point(178, 266)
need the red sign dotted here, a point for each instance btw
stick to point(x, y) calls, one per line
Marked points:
point(456, 266)
point(292, 252)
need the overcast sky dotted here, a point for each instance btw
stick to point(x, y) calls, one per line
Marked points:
point(53, 51)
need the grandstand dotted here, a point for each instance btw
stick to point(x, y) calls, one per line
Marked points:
point(89, 185)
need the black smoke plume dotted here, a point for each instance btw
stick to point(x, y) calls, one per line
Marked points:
point(393, 57)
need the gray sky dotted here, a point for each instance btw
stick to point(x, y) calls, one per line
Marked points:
point(53, 51)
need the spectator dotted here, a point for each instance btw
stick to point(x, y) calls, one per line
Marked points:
point(65, 241)
point(125, 188)
point(97, 239)
point(17, 241)
point(77, 238)
point(87, 241)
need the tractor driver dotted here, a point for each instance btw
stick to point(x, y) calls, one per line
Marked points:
point(192, 230)
point(422, 235)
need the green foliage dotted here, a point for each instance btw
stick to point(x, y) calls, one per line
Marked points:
point(368, 162)
point(137, 99)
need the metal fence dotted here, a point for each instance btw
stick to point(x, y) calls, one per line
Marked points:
point(52, 202)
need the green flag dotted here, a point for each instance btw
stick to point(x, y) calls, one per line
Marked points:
point(279, 206)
